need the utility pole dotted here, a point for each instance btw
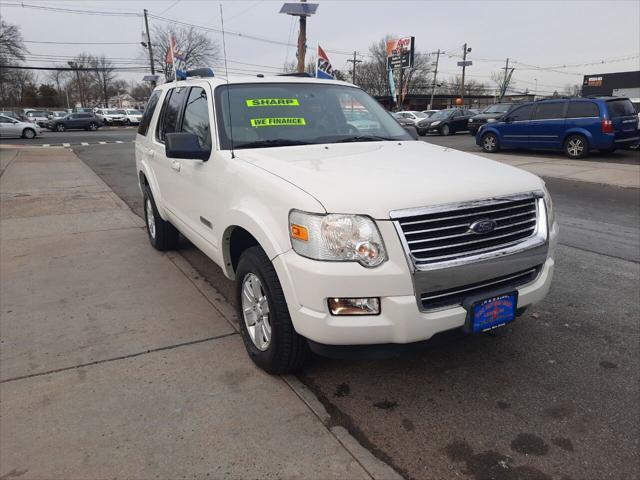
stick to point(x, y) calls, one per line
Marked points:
point(302, 41)
point(507, 79)
point(146, 26)
point(435, 74)
point(464, 66)
point(354, 61)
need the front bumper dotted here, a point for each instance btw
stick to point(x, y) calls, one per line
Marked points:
point(308, 284)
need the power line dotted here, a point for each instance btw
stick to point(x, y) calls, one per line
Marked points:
point(80, 43)
point(73, 10)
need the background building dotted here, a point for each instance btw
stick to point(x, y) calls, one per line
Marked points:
point(623, 84)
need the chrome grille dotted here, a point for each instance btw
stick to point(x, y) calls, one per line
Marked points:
point(455, 296)
point(444, 234)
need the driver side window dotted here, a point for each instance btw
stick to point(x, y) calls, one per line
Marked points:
point(196, 117)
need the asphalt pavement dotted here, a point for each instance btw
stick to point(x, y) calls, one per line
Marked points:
point(77, 137)
point(553, 396)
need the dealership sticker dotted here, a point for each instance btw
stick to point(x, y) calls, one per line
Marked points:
point(272, 102)
point(277, 122)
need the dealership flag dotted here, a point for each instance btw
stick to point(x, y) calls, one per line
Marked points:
point(176, 58)
point(323, 66)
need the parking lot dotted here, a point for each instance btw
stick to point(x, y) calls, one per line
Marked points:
point(552, 396)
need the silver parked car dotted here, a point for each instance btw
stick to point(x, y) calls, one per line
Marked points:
point(10, 127)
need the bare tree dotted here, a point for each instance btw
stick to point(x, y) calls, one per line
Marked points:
point(196, 47)
point(471, 87)
point(12, 52)
point(502, 81)
point(572, 90)
point(103, 75)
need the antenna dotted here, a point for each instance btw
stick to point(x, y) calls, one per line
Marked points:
point(226, 73)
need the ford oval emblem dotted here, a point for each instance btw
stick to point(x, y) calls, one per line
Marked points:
point(482, 226)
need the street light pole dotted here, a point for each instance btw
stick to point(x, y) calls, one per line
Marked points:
point(464, 66)
point(153, 68)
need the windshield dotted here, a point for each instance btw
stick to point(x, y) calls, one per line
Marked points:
point(111, 112)
point(420, 114)
point(497, 108)
point(282, 114)
point(441, 114)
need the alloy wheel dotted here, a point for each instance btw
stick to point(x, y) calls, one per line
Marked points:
point(29, 134)
point(575, 147)
point(489, 143)
point(255, 311)
point(151, 221)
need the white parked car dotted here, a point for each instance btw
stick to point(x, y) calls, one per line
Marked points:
point(39, 117)
point(131, 116)
point(336, 237)
point(110, 116)
point(10, 127)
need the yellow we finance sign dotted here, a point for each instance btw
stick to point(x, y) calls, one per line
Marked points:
point(277, 122)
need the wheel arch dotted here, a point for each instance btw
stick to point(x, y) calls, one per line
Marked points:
point(579, 131)
point(147, 179)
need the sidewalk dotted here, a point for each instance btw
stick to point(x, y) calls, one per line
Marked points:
point(613, 174)
point(118, 361)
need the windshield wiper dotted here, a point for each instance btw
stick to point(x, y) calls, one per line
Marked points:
point(274, 142)
point(363, 138)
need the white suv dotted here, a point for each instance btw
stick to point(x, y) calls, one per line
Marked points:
point(334, 237)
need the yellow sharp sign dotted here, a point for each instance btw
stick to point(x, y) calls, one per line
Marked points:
point(277, 122)
point(272, 102)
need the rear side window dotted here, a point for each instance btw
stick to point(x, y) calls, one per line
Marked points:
point(170, 114)
point(84, 115)
point(620, 108)
point(148, 112)
point(522, 113)
point(196, 117)
point(582, 110)
point(548, 111)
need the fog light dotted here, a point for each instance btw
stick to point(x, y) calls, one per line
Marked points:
point(354, 306)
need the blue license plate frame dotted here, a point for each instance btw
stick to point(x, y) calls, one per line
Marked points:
point(492, 312)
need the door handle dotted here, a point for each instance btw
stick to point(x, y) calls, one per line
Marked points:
point(176, 165)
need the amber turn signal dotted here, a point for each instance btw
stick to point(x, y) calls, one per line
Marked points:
point(299, 232)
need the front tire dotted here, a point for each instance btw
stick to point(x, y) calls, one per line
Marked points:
point(490, 143)
point(576, 147)
point(265, 324)
point(162, 235)
point(28, 133)
point(127, 122)
point(445, 130)
point(93, 127)
point(60, 128)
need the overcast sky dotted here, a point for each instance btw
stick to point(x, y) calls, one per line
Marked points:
point(537, 33)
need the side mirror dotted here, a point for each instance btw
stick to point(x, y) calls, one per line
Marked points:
point(411, 130)
point(186, 146)
point(507, 119)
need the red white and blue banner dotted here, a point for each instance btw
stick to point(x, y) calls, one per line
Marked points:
point(176, 58)
point(323, 66)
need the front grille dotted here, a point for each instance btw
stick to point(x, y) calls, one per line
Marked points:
point(455, 296)
point(445, 235)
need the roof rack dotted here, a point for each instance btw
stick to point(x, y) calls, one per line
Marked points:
point(296, 74)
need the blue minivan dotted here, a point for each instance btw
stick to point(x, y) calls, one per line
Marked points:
point(574, 125)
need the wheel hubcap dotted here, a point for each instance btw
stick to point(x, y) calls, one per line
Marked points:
point(489, 143)
point(255, 311)
point(151, 221)
point(575, 147)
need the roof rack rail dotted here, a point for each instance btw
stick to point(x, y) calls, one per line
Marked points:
point(296, 74)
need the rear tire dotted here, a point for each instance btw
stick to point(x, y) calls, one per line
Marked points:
point(162, 235)
point(268, 334)
point(490, 143)
point(28, 133)
point(576, 147)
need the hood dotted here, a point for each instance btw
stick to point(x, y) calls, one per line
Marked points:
point(374, 178)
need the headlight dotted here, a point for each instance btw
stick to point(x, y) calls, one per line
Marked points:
point(549, 204)
point(436, 123)
point(491, 120)
point(337, 238)
point(470, 120)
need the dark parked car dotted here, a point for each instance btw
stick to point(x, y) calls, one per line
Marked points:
point(489, 115)
point(576, 125)
point(445, 122)
point(75, 121)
